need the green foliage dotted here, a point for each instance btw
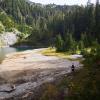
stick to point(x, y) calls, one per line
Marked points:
point(97, 18)
point(81, 45)
point(90, 83)
point(6, 21)
point(51, 93)
point(2, 28)
point(59, 43)
point(81, 85)
point(49, 20)
point(70, 43)
point(66, 44)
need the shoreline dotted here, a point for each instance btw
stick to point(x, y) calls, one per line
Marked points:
point(30, 69)
point(4, 46)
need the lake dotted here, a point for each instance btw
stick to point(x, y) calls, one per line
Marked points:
point(7, 50)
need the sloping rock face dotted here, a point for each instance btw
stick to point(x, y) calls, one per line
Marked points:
point(9, 38)
point(29, 71)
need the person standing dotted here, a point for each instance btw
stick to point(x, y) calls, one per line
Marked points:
point(73, 68)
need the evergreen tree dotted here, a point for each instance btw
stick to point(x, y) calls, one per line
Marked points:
point(50, 20)
point(97, 19)
point(59, 43)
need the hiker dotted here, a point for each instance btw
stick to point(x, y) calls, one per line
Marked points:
point(72, 68)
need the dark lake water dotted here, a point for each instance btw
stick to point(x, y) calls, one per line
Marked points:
point(7, 50)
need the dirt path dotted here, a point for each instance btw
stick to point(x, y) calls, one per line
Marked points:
point(30, 69)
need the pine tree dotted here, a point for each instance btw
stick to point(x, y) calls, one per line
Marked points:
point(59, 43)
point(97, 19)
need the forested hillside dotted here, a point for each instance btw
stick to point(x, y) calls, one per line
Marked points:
point(68, 30)
point(41, 24)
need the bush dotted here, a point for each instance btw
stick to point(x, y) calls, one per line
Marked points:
point(1, 27)
point(50, 93)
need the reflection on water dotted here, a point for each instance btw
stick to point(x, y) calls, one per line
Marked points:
point(6, 50)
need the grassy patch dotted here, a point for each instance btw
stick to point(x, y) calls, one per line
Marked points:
point(52, 52)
